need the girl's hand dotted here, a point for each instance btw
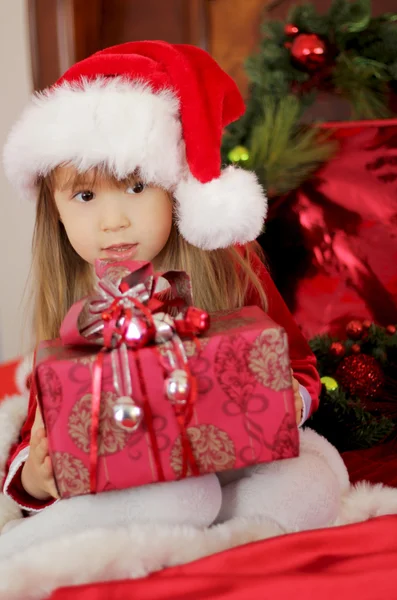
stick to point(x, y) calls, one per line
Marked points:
point(298, 400)
point(37, 474)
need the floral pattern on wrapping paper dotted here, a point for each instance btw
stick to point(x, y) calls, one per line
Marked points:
point(71, 475)
point(231, 368)
point(51, 391)
point(199, 367)
point(87, 360)
point(212, 449)
point(286, 440)
point(160, 426)
point(236, 380)
point(111, 438)
point(269, 360)
point(81, 374)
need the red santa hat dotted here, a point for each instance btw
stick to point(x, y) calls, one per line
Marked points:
point(153, 106)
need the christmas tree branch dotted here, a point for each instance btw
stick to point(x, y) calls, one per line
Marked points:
point(356, 59)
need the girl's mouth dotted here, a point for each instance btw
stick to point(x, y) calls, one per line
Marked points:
point(120, 251)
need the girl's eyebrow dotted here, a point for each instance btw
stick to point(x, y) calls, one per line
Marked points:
point(87, 181)
point(76, 182)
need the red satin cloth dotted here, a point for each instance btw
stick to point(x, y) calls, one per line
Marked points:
point(358, 561)
point(348, 218)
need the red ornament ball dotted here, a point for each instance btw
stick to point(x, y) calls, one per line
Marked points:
point(391, 329)
point(367, 324)
point(291, 29)
point(356, 348)
point(337, 349)
point(354, 330)
point(309, 51)
point(361, 375)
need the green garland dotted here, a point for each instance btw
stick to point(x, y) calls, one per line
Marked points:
point(362, 67)
point(350, 421)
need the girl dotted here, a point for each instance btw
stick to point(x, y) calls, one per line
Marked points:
point(122, 157)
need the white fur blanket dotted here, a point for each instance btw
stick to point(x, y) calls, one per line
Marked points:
point(137, 550)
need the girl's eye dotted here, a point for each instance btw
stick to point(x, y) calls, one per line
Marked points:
point(137, 188)
point(85, 196)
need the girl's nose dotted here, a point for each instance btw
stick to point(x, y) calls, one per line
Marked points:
point(114, 219)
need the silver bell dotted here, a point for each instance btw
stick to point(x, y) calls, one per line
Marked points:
point(177, 387)
point(127, 414)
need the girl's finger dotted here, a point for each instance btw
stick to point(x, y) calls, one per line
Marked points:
point(34, 442)
point(47, 465)
point(42, 450)
point(36, 438)
point(38, 421)
point(52, 489)
point(40, 433)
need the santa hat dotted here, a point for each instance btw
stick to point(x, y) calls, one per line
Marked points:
point(153, 106)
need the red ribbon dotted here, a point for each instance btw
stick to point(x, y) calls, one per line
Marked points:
point(95, 415)
point(188, 458)
point(183, 415)
point(149, 420)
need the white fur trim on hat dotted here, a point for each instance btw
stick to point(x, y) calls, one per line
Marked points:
point(111, 122)
point(225, 211)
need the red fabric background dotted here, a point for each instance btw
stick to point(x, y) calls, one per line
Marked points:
point(348, 222)
point(7, 379)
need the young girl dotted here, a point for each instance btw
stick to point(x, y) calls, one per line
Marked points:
point(122, 157)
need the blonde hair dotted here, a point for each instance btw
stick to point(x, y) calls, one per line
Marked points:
point(220, 278)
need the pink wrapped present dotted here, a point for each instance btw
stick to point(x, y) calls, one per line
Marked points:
point(131, 395)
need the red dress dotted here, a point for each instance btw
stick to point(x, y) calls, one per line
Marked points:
point(303, 363)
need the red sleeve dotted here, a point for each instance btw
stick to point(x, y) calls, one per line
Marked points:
point(303, 361)
point(12, 485)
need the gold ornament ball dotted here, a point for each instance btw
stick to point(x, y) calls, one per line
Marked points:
point(239, 154)
point(330, 383)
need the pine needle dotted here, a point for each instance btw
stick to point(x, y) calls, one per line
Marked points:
point(283, 153)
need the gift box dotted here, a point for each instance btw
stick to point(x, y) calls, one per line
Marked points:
point(131, 395)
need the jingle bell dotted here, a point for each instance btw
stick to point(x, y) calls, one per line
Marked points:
point(127, 414)
point(177, 387)
point(137, 333)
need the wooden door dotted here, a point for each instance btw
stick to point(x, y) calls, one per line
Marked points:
point(65, 31)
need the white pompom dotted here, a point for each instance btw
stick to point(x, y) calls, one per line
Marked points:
point(223, 212)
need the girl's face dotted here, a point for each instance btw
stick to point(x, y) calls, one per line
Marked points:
point(110, 221)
